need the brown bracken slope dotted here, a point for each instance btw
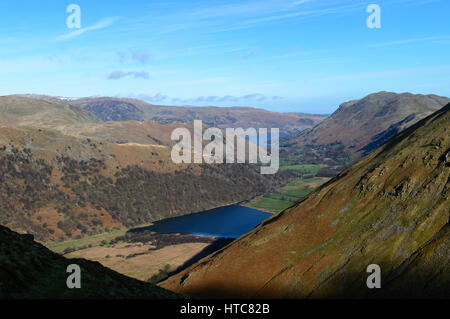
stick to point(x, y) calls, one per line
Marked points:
point(391, 209)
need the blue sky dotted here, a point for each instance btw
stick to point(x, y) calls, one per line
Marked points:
point(282, 55)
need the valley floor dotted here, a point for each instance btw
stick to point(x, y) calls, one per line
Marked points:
point(150, 257)
point(139, 260)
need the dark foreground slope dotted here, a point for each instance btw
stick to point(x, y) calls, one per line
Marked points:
point(29, 270)
point(390, 209)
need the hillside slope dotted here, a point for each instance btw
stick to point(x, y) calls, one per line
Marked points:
point(19, 111)
point(29, 270)
point(391, 209)
point(70, 120)
point(147, 133)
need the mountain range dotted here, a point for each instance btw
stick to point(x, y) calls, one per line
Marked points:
point(110, 109)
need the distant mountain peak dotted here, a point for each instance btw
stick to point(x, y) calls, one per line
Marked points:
point(356, 122)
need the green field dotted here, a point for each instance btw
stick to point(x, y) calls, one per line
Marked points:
point(287, 195)
point(305, 168)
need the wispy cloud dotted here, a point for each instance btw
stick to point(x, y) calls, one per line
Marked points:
point(211, 80)
point(250, 53)
point(407, 41)
point(254, 97)
point(216, 16)
point(299, 2)
point(122, 56)
point(116, 75)
point(295, 12)
point(159, 97)
point(104, 23)
point(140, 56)
point(156, 98)
point(175, 28)
point(305, 13)
point(385, 74)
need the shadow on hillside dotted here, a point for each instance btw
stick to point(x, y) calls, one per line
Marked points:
point(408, 286)
point(208, 250)
point(423, 275)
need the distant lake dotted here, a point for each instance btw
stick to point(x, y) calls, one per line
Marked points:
point(226, 222)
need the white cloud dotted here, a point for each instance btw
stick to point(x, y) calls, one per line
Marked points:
point(158, 97)
point(116, 75)
point(250, 53)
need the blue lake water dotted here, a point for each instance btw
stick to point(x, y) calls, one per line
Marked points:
point(227, 222)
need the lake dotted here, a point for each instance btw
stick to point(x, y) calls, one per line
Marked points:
point(226, 222)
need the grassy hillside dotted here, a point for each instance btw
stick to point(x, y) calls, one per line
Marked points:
point(71, 120)
point(148, 133)
point(18, 111)
point(391, 209)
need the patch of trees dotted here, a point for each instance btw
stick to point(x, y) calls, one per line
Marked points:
point(140, 196)
point(330, 154)
point(25, 187)
point(159, 240)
